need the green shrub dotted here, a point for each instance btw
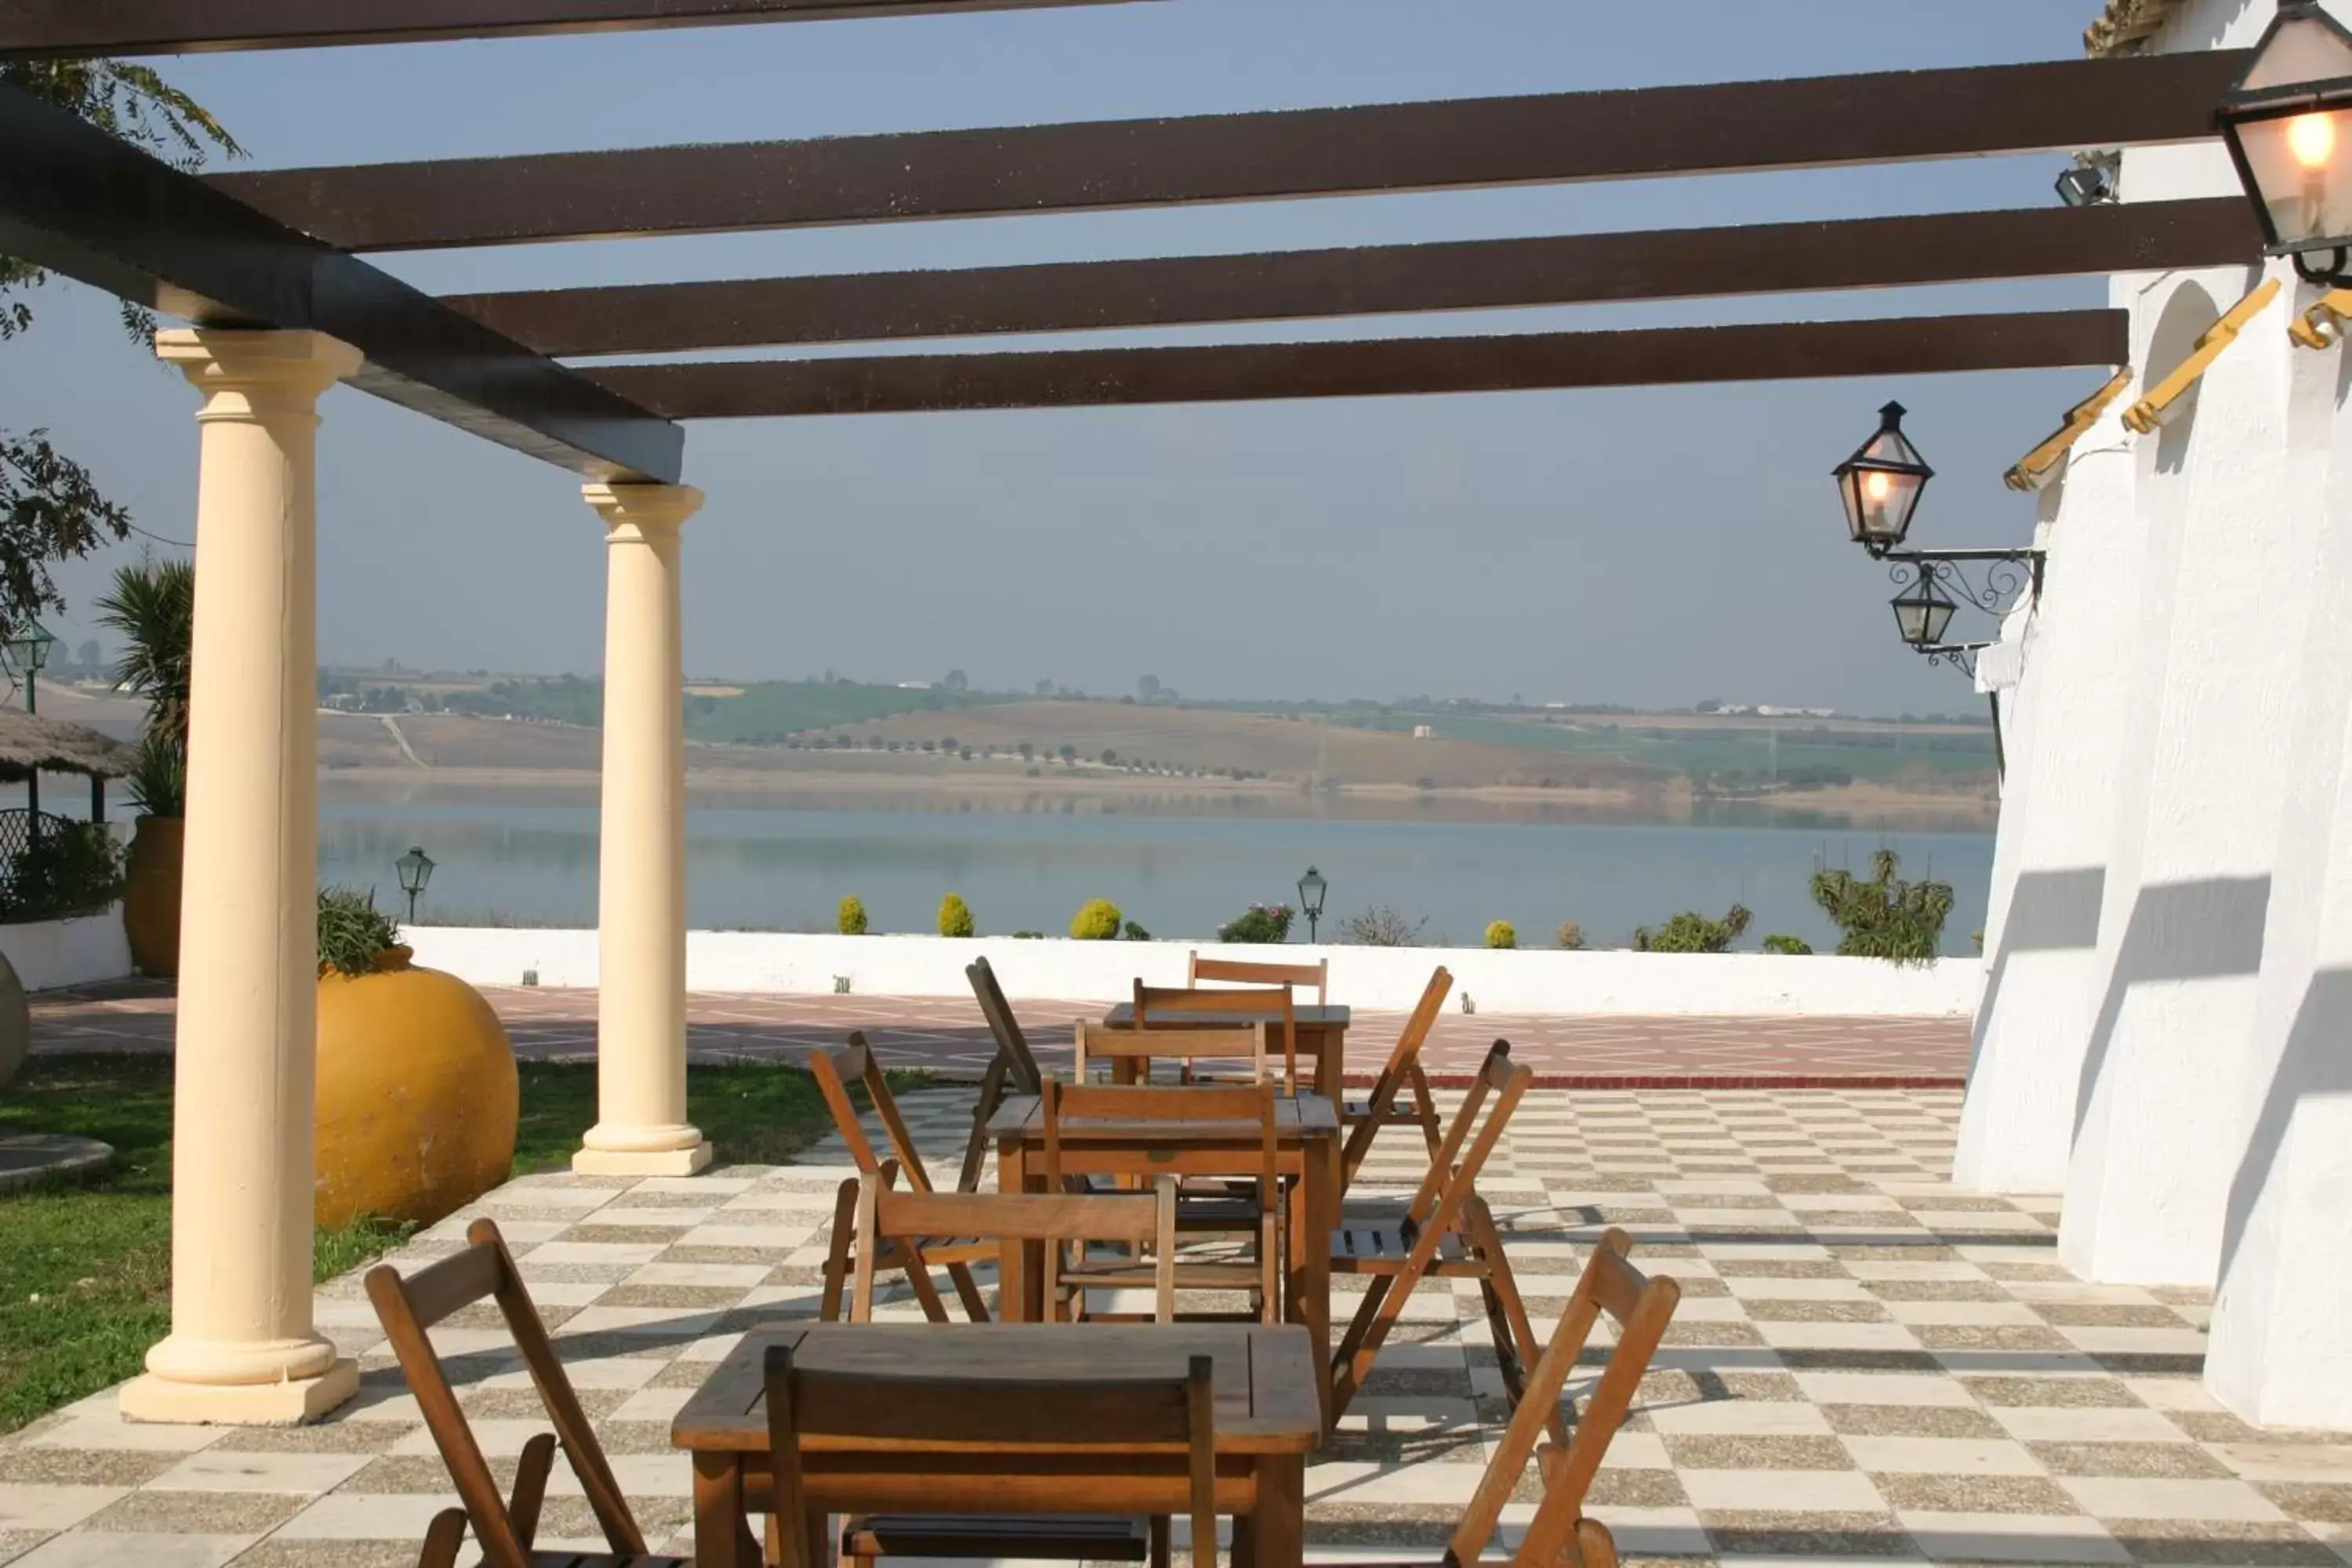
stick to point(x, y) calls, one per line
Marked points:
point(353, 931)
point(65, 868)
point(1028, 936)
point(1794, 946)
point(1570, 937)
point(1502, 933)
point(1098, 920)
point(1884, 917)
point(1258, 923)
point(849, 919)
point(955, 916)
point(1134, 932)
point(1693, 932)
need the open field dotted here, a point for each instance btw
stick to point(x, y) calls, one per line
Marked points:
point(1362, 761)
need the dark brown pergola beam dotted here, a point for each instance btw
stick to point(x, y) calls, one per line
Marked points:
point(98, 209)
point(1945, 247)
point(907, 384)
point(1631, 134)
point(69, 29)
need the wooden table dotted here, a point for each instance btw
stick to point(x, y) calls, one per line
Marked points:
point(1307, 1136)
point(1267, 1413)
point(1322, 1034)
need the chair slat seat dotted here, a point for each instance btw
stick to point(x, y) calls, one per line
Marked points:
point(1385, 1249)
point(1078, 1538)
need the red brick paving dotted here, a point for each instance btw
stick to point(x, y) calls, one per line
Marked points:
point(946, 1035)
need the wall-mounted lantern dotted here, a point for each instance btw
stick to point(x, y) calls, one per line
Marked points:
point(1881, 484)
point(2288, 123)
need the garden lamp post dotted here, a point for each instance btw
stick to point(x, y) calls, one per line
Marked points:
point(1311, 889)
point(415, 870)
point(2288, 123)
point(28, 650)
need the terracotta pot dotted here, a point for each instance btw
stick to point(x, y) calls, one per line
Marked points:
point(417, 1094)
point(150, 896)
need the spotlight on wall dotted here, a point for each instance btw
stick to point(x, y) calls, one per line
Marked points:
point(2091, 183)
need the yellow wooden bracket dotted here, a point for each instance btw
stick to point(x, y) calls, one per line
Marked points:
point(2322, 326)
point(2036, 465)
point(2142, 417)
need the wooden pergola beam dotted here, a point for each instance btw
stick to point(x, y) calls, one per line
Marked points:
point(1558, 137)
point(73, 28)
point(1944, 247)
point(905, 383)
point(96, 208)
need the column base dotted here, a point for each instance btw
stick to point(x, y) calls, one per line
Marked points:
point(642, 1161)
point(290, 1404)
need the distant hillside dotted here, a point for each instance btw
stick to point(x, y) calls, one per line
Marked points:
point(765, 714)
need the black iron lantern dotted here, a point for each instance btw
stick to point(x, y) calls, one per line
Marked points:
point(2289, 126)
point(1923, 612)
point(1312, 890)
point(415, 870)
point(1881, 484)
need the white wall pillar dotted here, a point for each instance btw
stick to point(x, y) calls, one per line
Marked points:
point(2181, 942)
point(641, 1126)
point(2281, 1349)
point(2041, 930)
point(243, 1347)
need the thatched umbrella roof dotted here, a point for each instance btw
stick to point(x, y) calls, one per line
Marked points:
point(28, 742)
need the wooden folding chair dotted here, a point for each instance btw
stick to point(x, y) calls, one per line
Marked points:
point(1364, 1118)
point(1125, 1050)
point(1643, 1307)
point(1169, 1010)
point(1252, 1207)
point(890, 1222)
point(878, 1408)
point(835, 1071)
point(1013, 1070)
point(1254, 972)
point(503, 1527)
point(1448, 1232)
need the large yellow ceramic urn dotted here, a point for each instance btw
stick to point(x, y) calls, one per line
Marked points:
point(417, 1096)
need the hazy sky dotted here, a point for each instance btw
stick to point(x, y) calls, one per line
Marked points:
point(1651, 546)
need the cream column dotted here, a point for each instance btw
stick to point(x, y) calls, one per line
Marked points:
point(641, 1126)
point(242, 1348)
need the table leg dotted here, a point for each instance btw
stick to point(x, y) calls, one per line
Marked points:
point(1314, 1212)
point(1331, 1063)
point(1277, 1527)
point(722, 1535)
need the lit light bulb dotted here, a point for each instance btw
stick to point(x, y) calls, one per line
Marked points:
point(1877, 488)
point(2311, 139)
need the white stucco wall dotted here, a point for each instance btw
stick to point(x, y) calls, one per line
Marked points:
point(49, 953)
point(1529, 981)
point(2202, 777)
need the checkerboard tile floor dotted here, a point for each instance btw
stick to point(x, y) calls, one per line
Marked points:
point(1866, 1363)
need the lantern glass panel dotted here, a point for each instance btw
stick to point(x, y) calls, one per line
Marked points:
point(1923, 613)
point(2299, 167)
point(1879, 503)
point(2289, 126)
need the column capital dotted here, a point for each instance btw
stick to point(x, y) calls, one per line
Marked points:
point(642, 509)
point(240, 359)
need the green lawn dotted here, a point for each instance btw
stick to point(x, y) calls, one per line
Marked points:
point(85, 1270)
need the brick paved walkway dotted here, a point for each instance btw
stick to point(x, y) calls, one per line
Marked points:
point(946, 1035)
point(1867, 1365)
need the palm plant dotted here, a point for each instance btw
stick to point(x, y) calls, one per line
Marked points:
point(153, 605)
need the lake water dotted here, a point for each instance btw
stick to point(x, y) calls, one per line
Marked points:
point(1179, 876)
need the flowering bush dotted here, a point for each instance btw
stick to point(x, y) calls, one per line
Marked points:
point(1098, 920)
point(1502, 933)
point(1258, 923)
point(955, 916)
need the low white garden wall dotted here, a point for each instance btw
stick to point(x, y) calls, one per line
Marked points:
point(1379, 978)
point(49, 953)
